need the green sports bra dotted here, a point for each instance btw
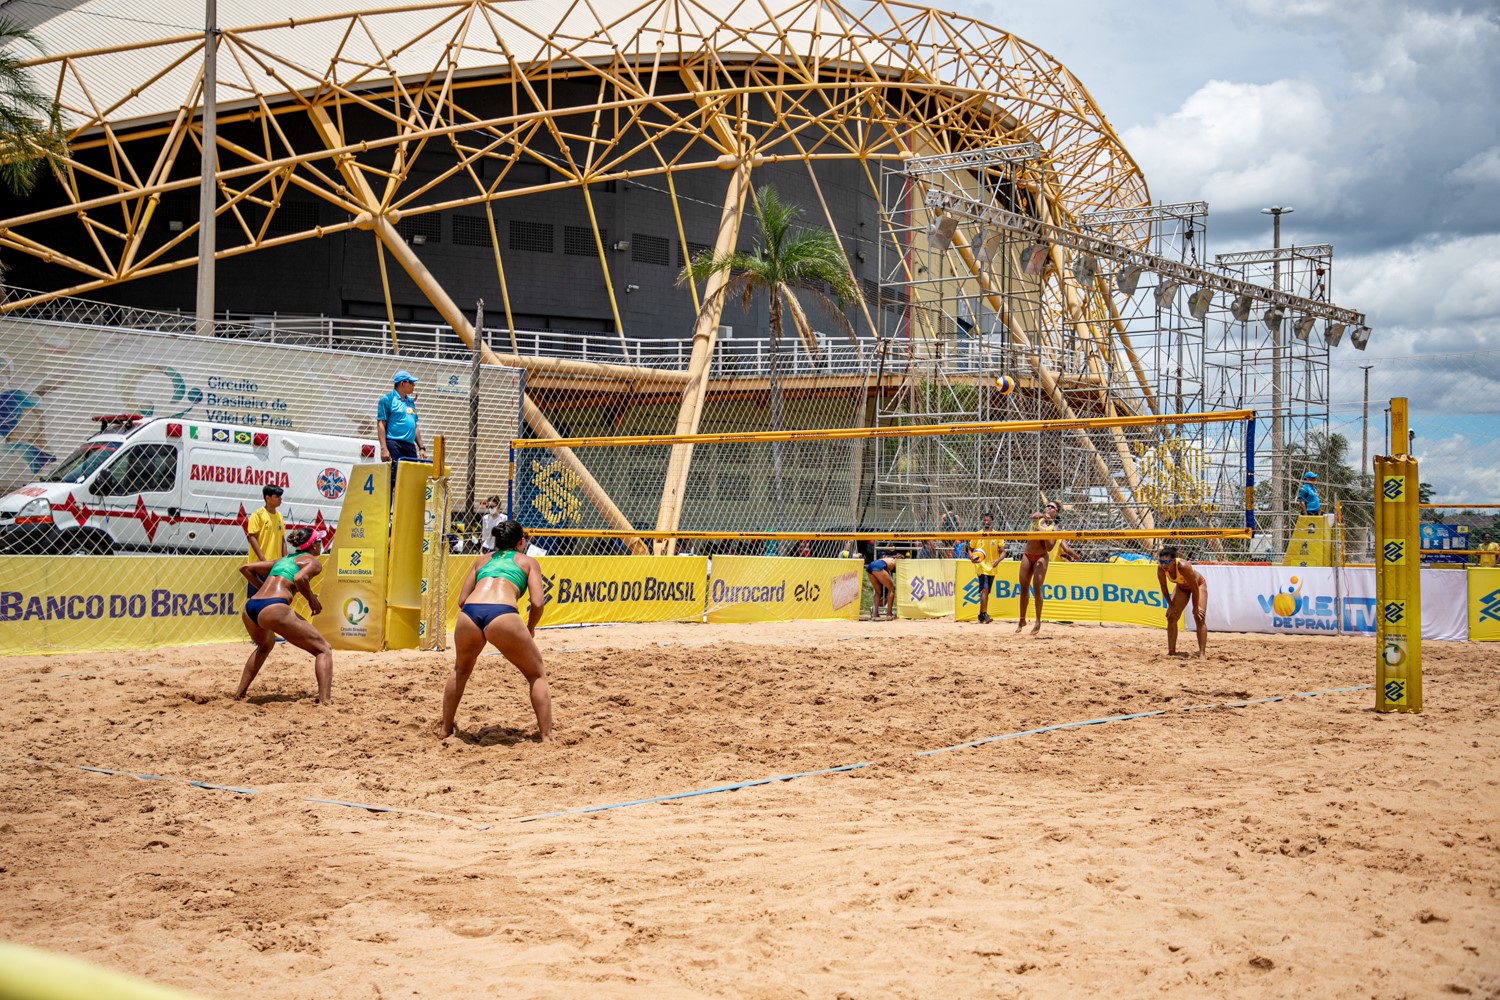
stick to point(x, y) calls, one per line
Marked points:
point(503, 565)
point(286, 567)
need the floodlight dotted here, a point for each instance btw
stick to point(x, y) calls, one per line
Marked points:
point(1303, 327)
point(1360, 337)
point(1273, 317)
point(1166, 294)
point(1129, 278)
point(1333, 333)
point(1199, 303)
point(1085, 267)
point(1240, 307)
point(940, 232)
point(986, 242)
point(1034, 258)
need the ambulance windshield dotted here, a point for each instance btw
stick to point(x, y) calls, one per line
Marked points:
point(82, 463)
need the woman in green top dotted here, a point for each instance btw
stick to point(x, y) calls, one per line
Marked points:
point(487, 613)
point(268, 613)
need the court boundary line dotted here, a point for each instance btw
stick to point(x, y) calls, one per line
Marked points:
point(714, 789)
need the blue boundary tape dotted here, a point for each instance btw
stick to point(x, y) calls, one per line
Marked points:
point(734, 786)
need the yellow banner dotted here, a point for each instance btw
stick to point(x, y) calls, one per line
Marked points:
point(588, 590)
point(1484, 604)
point(772, 589)
point(924, 588)
point(1118, 593)
point(352, 584)
point(77, 603)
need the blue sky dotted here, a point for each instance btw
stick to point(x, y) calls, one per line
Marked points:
point(1378, 121)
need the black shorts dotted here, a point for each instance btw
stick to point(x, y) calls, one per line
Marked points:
point(401, 451)
point(986, 583)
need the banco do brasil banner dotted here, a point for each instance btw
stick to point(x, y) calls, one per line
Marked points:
point(588, 589)
point(77, 603)
point(1122, 593)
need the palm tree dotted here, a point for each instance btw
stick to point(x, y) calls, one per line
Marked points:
point(786, 263)
point(30, 123)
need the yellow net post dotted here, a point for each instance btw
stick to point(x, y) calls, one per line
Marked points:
point(1398, 580)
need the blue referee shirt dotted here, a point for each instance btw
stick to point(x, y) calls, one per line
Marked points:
point(400, 416)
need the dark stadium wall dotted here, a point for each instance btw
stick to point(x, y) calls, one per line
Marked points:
point(552, 266)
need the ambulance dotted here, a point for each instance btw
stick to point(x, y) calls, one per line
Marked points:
point(177, 485)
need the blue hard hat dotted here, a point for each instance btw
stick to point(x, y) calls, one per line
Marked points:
point(403, 376)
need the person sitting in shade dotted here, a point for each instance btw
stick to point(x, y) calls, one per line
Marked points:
point(1307, 494)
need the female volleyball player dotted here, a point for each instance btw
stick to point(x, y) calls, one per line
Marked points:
point(1189, 583)
point(487, 613)
point(268, 613)
point(1033, 571)
point(879, 571)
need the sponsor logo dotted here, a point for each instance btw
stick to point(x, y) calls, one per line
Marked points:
point(1394, 552)
point(1393, 488)
point(721, 593)
point(1291, 608)
point(570, 591)
point(246, 476)
point(1109, 593)
point(358, 529)
point(355, 564)
point(16, 606)
point(924, 587)
point(331, 483)
point(355, 611)
point(1489, 607)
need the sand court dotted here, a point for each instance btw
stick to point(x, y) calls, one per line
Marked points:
point(1275, 848)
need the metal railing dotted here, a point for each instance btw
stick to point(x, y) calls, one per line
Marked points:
point(734, 357)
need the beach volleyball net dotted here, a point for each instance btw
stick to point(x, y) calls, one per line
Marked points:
point(1124, 481)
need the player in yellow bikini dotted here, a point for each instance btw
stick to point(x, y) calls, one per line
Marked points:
point(1189, 584)
point(487, 614)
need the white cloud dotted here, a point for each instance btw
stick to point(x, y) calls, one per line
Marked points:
point(1455, 468)
point(1429, 285)
point(1243, 145)
point(1481, 168)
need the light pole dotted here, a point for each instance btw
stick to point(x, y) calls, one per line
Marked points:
point(207, 186)
point(1278, 418)
point(1364, 443)
point(1364, 452)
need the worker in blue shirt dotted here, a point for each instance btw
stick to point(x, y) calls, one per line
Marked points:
point(1307, 494)
point(396, 422)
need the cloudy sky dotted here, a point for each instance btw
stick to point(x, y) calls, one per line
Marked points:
point(1378, 121)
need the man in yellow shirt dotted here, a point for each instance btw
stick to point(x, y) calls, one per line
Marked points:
point(1489, 551)
point(985, 554)
point(265, 531)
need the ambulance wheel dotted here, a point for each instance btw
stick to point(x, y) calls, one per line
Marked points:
point(86, 543)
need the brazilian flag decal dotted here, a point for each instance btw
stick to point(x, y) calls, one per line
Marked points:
point(241, 437)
